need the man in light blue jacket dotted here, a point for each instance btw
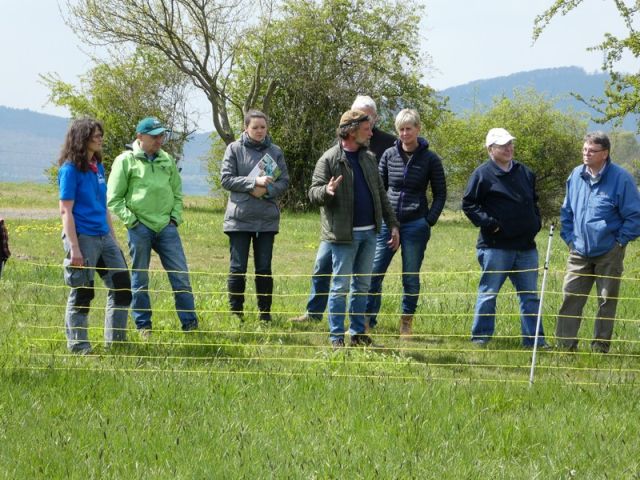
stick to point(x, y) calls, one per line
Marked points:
point(600, 216)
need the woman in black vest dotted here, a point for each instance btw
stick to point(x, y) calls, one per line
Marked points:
point(407, 170)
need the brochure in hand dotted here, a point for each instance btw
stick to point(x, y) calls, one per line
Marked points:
point(267, 166)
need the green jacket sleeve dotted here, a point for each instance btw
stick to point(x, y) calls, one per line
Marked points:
point(388, 214)
point(176, 187)
point(321, 176)
point(117, 187)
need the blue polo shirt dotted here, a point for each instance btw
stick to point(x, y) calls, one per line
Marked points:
point(88, 190)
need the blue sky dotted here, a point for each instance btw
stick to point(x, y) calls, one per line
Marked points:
point(466, 39)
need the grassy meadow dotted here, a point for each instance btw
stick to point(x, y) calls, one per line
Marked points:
point(275, 401)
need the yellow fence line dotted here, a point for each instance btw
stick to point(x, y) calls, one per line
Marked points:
point(428, 378)
point(308, 275)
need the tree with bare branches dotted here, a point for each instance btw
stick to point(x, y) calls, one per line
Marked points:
point(202, 38)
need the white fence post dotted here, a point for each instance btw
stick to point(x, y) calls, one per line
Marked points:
point(539, 319)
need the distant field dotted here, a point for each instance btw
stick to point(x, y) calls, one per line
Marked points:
point(254, 401)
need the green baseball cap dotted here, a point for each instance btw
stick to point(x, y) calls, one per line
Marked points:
point(150, 126)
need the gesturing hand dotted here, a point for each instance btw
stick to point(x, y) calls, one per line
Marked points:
point(333, 184)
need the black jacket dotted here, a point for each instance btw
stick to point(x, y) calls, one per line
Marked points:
point(407, 185)
point(506, 201)
point(380, 141)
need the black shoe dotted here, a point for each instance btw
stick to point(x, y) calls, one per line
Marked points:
point(337, 343)
point(361, 340)
point(599, 347)
point(265, 317)
point(191, 327)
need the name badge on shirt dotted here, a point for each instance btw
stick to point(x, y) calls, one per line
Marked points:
point(100, 178)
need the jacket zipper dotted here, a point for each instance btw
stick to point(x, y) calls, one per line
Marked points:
point(404, 183)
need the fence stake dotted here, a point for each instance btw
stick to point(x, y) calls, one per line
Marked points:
point(539, 319)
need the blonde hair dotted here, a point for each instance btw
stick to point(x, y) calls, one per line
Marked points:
point(407, 116)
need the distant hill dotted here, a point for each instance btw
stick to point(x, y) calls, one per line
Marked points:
point(556, 82)
point(30, 141)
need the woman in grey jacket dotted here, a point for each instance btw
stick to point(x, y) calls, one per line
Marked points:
point(255, 173)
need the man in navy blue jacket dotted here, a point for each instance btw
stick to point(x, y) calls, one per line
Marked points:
point(501, 199)
point(600, 216)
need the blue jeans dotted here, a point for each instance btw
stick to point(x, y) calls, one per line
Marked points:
point(352, 263)
point(103, 252)
point(414, 236)
point(239, 243)
point(498, 264)
point(168, 246)
point(320, 282)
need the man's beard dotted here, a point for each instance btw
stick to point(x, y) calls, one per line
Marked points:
point(363, 143)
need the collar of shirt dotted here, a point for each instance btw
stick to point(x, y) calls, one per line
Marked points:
point(508, 169)
point(595, 177)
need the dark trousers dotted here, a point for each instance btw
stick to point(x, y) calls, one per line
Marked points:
point(239, 243)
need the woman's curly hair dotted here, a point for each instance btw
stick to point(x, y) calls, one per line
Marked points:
point(76, 141)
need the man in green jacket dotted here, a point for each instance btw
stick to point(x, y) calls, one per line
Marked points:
point(347, 186)
point(145, 191)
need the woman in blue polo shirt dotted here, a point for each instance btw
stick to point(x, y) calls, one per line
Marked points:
point(88, 238)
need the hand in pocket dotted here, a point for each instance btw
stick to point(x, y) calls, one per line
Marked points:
point(76, 277)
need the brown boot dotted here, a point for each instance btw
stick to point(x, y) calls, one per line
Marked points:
point(405, 326)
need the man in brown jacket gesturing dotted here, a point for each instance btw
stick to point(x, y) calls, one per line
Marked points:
point(347, 186)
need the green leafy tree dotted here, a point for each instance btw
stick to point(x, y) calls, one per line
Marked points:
point(622, 94)
point(547, 141)
point(302, 63)
point(315, 57)
point(625, 148)
point(122, 92)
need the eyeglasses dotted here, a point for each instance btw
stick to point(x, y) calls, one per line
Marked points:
point(590, 151)
point(97, 136)
point(503, 147)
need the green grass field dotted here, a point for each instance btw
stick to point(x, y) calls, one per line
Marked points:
point(254, 401)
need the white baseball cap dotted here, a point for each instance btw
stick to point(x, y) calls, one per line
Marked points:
point(498, 136)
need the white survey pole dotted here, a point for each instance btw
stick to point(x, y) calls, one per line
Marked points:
point(539, 319)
